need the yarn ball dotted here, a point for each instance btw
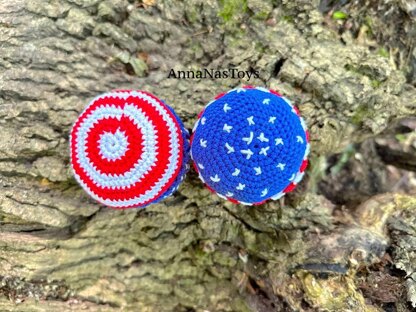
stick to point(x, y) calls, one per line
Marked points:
point(129, 149)
point(250, 145)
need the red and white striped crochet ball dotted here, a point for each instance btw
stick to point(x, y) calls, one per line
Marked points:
point(127, 149)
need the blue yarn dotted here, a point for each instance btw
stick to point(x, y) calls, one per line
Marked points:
point(220, 162)
point(185, 162)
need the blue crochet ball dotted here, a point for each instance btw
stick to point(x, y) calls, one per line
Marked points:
point(250, 145)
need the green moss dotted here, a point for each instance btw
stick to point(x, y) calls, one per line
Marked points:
point(288, 18)
point(400, 137)
point(261, 15)
point(259, 47)
point(232, 8)
point(375, 83)
point(339, 15)
point(201, 256)
point(383, 52)
point(369, 23)
point(350, 68)
point(360, 114)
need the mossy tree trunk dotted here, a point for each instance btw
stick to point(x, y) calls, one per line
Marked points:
point(60, 251)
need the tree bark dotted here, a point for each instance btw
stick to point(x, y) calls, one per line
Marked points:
point(61, 251)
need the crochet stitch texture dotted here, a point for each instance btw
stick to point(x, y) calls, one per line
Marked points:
point(129, 149)
point(249, 145)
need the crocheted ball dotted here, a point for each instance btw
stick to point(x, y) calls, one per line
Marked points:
point(129, 149)
point(250, 145)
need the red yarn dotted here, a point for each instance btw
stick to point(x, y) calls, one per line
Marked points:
point(134, 152)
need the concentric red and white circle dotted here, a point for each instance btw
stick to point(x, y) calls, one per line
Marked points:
point(126, 148)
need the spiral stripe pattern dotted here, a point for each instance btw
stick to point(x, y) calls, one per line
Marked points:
point(127, 149)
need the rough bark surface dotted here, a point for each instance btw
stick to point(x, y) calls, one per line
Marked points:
point(61, 251)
